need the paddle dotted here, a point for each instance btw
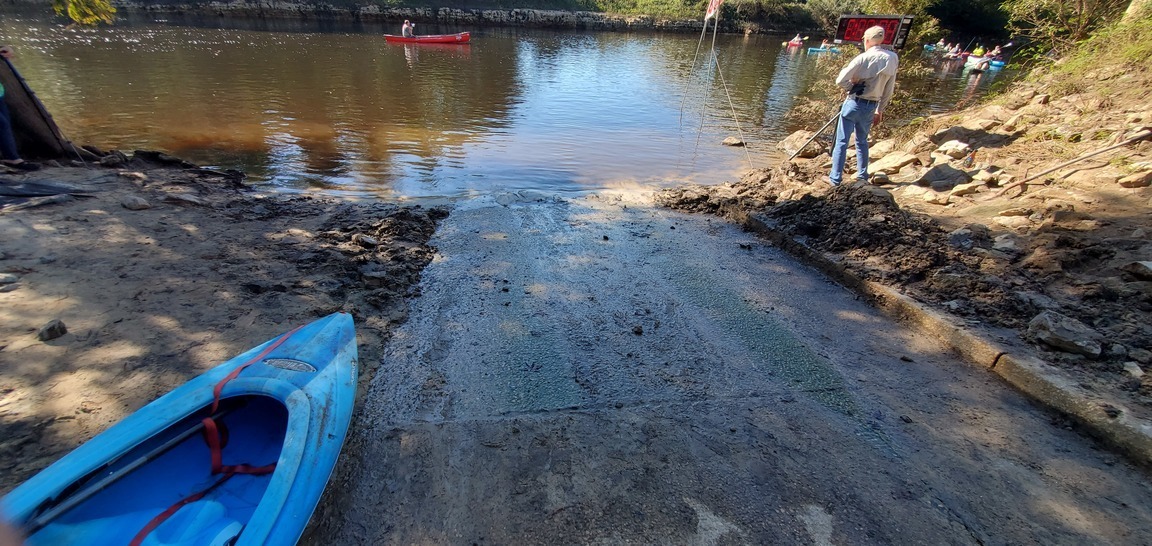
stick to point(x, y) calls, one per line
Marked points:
point(70, 501)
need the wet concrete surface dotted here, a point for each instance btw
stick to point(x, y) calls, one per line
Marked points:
point(597, 371)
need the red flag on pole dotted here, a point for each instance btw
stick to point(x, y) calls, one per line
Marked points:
point(713, 7)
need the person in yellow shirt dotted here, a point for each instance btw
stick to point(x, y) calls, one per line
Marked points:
point(979, 51)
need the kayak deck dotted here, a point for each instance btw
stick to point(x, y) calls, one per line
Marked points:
point(256, 428)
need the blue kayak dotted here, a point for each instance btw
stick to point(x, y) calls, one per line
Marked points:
point(823, 50)
point(239, 455)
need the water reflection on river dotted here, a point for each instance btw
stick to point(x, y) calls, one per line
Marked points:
point(332, 107)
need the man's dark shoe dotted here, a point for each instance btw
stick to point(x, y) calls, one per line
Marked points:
point(22, 165)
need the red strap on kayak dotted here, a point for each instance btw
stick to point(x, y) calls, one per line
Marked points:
point(160, 518)
point(215, 446)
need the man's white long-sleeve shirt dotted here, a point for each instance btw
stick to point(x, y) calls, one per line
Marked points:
point(877, 68)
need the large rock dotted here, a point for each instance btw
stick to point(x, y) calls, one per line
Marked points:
point(135, 202)
point(943, 176)
point(797, 139)
point(967, 189)
point(1013, 222)
point(936, 198)
point(1140, 270)
point(980, 124)
point(892, 163)
point(918, 144)
point(1138, 180)
point(880, 149)
point(1065, 333)
point(954, 149)
point(54, 329)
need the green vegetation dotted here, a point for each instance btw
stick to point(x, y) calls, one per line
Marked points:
point(86, 12)
point(1127, 43)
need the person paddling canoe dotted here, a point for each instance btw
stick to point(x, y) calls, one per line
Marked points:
point(409, 29)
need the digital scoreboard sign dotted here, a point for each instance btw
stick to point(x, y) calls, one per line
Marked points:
point(896, 27)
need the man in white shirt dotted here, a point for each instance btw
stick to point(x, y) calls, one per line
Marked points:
point(870, 79)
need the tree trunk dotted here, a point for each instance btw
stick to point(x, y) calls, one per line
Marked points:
point(1136, 10)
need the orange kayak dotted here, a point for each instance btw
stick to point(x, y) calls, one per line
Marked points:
point(458, 38)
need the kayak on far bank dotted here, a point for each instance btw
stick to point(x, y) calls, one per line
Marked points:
point(458, 38)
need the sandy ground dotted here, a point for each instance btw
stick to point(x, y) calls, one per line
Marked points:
point(199, 270)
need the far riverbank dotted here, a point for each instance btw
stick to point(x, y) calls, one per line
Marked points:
point(458, 17)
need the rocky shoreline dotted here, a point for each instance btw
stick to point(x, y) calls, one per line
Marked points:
point(1060, 266)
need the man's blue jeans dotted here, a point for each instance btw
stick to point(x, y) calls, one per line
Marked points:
point(855, 117)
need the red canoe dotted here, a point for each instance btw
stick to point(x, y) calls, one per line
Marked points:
point(458, 38)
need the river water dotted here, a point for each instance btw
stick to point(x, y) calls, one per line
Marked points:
point(330, 107)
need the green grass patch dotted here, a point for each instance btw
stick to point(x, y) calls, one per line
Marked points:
point(1129, 45)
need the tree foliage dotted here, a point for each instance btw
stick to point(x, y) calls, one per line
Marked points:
point(827, 12)
point(926, 28)
point(1060, 24)
point(86, 12)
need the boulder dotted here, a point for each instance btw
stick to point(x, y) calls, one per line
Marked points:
point(985, 176)
point(943, 175)
point(736, 141)
point(54, 329)
point(135, 202)
point(961, 239)
point(892, 163)
point(1018, 211)
point(1133, 369)
point(796, 140)
point(1005, 243)
point(967, 189)
point(1013, 222)
point(954, 149)
point(995, 112)
point(1138, 180)
point(1140, 270)
point(1019, 99)
point(980, 124)
point(1065, 334)
point(914, 192)
point(937, 158)
point(881, 149)
point(936, 198)
point(366, 241)
point(880, 179)
point(919, 143)
point(185, 199)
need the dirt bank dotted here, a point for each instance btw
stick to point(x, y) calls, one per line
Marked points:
point(160, 270)
point(1061, 262)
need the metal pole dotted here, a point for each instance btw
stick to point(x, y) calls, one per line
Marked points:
point(798, 150)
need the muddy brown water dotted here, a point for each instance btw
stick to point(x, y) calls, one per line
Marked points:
point(598, 371)
point(327, 106)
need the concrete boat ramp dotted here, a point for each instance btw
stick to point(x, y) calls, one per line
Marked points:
point(594, 370)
